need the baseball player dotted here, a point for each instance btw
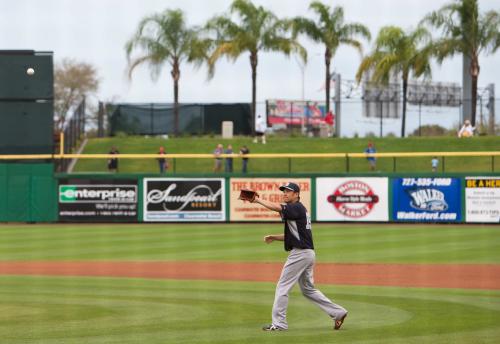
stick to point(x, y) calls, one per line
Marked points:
point(299, 265)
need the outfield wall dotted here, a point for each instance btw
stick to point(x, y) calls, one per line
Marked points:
point(446, 198)
point(32, 193)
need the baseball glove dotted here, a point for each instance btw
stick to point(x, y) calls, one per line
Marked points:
point(248, 195)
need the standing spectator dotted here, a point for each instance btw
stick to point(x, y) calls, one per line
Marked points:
point(371, 159)
point(329, 123)
point(260, 130)
point(218, 159)
point(467, 130)
point(162, 162)
point(434, 164)
point(229, 161)
point(113, 162)
point(244, 161)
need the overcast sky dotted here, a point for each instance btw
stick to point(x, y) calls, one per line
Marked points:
point(95, 31)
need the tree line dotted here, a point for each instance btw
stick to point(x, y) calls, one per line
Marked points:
point(165, 38)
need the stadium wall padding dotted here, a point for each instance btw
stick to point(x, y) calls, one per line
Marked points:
point(27, 192)
point(31, 193)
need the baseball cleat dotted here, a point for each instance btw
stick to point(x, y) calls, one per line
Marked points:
point(271, 327)
point(339, 322)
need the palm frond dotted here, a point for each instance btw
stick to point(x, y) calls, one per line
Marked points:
point(322, 10)
point(307, 27)
point(136, 62)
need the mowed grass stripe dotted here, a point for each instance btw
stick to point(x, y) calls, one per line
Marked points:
point(107, 310)
point(363, 243)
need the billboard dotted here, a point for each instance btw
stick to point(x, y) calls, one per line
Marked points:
point(482, 199)
point(268, 189)
point(97, 200)
point(295, 112)
point(426, 199)
point(352, 199)
point(434, 93)
point(184, 199)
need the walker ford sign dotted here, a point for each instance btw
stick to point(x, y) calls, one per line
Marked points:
point(97, 200)
point(184, 199)
point(426, 199)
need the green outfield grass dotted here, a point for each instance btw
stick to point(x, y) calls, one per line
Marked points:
point(62, 310)
point(105, 310)
point(294, 145)
point(349, 243)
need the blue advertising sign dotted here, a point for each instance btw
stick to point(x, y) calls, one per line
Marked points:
point(426, 199)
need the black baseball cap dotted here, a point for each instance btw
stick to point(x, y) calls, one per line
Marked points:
point(290, 186)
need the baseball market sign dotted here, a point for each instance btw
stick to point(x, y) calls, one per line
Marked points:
point(184, 199)
point(268, 189)
point(352, 199)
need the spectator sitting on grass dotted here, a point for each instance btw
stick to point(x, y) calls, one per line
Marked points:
point(467, 130)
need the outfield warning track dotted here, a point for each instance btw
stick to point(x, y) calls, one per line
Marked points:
point(468, 276)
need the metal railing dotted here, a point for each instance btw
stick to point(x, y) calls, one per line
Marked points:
point(346, 156)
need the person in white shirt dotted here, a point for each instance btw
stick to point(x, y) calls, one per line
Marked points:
point(434, 164)
point(260, 130)
point(467, 130)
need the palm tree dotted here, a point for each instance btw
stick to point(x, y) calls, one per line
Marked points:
point(465, 31)
point(165, 38)
point(397, 52)
point(331, 31)
point(257, 30)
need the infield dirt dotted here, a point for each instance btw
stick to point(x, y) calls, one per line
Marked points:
point(468, 276)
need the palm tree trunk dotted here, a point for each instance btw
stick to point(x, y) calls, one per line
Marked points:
point(253, 63)
point(403, 117)
point(474, 72)
point(473, 101)
point(176, 74)
point(328, 58)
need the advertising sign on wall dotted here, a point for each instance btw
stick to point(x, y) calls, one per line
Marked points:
point(184, 199)
point(268, 189)
point(426, 199)
point(482, 199)
point(97, 200)
point(295, 112)
point(352, 199)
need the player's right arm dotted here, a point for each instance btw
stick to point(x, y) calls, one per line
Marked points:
point(276, 237)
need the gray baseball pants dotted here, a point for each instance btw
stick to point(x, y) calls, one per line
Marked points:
point(299, 268)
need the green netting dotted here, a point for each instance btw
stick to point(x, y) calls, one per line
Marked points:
point(158, 119)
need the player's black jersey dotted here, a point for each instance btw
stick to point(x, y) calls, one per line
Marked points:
point(297, 226)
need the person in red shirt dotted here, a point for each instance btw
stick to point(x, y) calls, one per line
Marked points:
point(329, 121)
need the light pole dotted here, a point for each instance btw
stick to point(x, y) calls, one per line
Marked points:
point(420, 114)
point(302, 67)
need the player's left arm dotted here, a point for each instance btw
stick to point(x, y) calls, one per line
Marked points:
point(269, 205)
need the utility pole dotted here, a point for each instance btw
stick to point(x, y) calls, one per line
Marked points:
point(338, 90)
point(491, 108)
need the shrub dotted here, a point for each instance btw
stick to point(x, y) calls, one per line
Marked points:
point(431, 130)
